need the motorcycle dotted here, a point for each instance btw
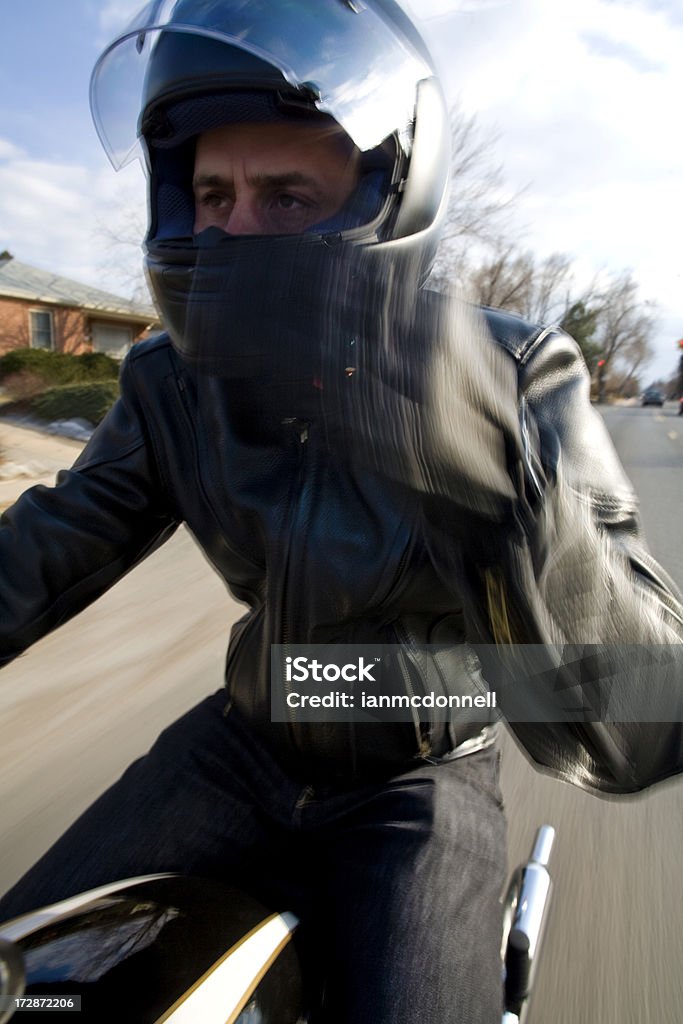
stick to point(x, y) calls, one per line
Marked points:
point(179, 950)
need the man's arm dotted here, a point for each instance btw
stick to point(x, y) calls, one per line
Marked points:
point(596, 574)
point(531, 523)
point(581, 581)
point(61, 547)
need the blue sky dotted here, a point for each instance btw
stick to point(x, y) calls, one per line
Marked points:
point(585, 97)
point(47, 50)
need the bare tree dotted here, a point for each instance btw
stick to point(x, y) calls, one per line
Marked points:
point(552, 289)
point(505, 279)
point(624, 328)
point(515, 279)
point(479, 205)
point(609, 321)
point(120, 238)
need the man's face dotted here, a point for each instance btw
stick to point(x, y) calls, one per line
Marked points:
point(271, 179)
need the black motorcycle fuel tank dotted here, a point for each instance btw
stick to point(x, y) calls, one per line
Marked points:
point(156, 949)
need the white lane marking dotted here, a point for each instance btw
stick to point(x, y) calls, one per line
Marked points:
point(672, 435)
point(219, 995)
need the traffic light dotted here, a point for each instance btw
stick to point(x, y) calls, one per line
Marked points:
point(601, 364)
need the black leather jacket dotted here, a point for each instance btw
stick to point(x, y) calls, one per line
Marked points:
point(320, 554)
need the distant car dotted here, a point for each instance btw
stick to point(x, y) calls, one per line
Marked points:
point(652, 396)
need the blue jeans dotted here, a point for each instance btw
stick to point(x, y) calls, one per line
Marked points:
point(396, 882)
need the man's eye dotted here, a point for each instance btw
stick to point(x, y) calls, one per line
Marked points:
point(285, 201)
point(213, 200)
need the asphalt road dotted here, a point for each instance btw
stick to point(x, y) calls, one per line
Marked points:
point(78, 707)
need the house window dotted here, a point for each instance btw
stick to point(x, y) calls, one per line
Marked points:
point(114, 339)
point(41, 328)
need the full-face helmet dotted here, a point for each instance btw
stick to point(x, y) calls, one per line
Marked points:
point(183, 67)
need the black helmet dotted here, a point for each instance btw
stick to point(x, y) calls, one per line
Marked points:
point(185, 66)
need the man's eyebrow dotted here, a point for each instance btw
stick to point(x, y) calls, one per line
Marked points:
point(287, 179)
point(211, 180)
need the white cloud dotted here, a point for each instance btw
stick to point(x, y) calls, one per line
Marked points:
point(52, 217)
point(8, 151)
point(115, 15)
point(430, 9)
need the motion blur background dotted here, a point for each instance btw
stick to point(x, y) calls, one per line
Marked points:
point(576, 150)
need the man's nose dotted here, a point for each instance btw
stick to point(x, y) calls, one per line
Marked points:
point(244, 219)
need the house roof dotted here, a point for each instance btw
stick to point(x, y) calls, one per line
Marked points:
point(21, 281)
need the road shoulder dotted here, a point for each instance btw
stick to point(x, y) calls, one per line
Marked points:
point(31, 455)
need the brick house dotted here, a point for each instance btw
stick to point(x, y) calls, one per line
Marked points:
point(39, 309)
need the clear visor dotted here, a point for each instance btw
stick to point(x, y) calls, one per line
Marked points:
point(363, 72)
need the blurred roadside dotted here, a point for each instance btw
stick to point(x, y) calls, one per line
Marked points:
point(33, 454)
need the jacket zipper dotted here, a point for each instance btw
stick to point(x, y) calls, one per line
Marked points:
point(301, 428)
point(180, 384)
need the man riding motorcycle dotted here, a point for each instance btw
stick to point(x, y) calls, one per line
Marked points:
point(363, 462)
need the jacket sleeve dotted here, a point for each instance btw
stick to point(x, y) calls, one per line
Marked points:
point(530, 522)
point(61, 547)
point(603, 691)
point(619, 593)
